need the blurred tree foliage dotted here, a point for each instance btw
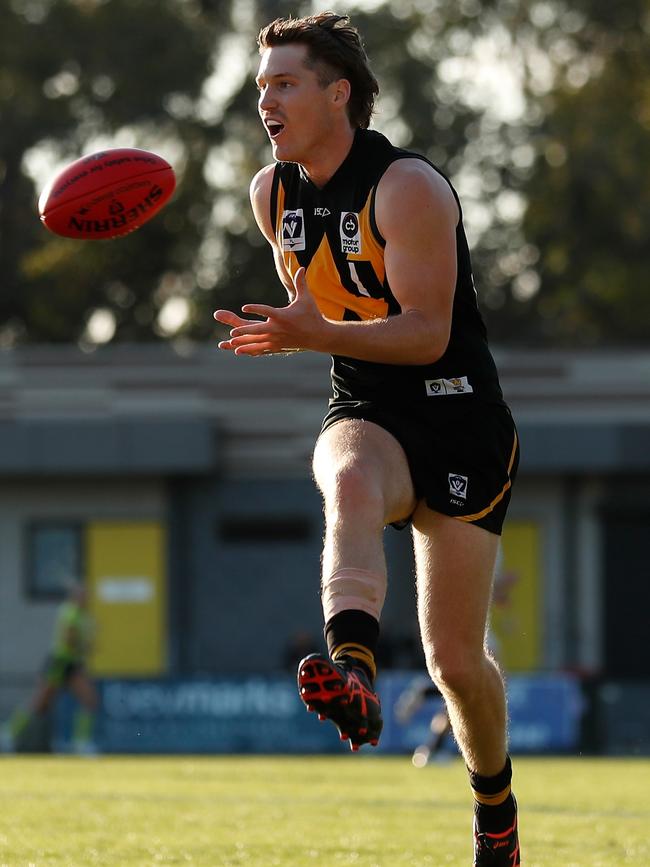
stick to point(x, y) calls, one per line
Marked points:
point(76, 75)
point(537, 110)
point(589, 194)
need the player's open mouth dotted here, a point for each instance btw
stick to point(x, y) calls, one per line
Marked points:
point(274, 128)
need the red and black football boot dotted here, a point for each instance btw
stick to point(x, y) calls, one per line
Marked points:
point(342, 693)
point(497, 850)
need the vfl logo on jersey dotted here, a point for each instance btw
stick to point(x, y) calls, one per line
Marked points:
point(455, 385)
point(350, 233)
point(458, 485)
point(293, 230)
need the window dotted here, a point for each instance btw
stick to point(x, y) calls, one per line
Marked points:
point(53, 557)
point(265, 529)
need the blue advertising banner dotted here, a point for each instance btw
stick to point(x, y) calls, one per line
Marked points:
point(544, 709)
point(265, 715)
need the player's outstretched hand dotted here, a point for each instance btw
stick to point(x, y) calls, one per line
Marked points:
point(299, 325)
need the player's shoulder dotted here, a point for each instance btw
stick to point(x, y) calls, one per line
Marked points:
point(410, 193)
point(416, 179)
point(262, 182)
point(260, 196)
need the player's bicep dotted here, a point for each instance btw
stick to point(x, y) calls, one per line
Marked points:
point(421, 271)
point(417, 215)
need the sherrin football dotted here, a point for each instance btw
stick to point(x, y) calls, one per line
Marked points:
point(106, 194)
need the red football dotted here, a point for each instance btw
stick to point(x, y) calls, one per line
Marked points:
point(107, 194)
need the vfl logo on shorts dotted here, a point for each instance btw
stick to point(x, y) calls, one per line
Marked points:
point(455, 385)
point(293, 230)
point(458, 485)
point(350, 234)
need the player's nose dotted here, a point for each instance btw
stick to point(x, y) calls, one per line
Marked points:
point(266, 100)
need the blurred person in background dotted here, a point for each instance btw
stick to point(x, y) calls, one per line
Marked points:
point(64, 669)
point(421, 691)
point(368, 241)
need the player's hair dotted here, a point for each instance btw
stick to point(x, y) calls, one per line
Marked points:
point(334, 50)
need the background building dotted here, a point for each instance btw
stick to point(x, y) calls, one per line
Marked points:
point(177, 485)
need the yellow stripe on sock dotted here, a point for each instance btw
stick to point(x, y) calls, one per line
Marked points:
point(492, 800)
point(356, 651)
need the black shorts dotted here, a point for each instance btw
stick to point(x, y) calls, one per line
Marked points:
point(463, 454)
point(57, 670)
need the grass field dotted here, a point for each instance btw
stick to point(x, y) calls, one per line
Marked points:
point(344, 810)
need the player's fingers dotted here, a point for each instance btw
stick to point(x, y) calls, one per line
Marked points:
point(233, 342)
point(250, 328)
point(259, 309)
point(255, 349)
point(227, 317)
point(250, 339)
point(300, 282)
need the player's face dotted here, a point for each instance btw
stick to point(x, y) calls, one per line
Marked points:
point(296, 111)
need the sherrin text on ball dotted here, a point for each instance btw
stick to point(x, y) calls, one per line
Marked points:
point(106, 194)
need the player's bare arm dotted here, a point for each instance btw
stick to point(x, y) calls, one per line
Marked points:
point(260, 196)
point(417, 216)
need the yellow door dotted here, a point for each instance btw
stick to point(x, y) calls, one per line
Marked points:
point(517, 613)
point(128, 597)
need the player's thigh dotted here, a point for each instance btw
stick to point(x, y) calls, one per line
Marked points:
point(455, 564)
point(369, 455)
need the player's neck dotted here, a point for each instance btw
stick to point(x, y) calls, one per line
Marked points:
point(325, 162)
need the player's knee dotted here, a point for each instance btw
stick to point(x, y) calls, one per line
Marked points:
point(352, 491)
point(453, 669)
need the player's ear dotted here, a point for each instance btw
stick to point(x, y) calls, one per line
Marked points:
point(342, 92)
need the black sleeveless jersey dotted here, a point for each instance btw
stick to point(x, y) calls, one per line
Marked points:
point(333, 234)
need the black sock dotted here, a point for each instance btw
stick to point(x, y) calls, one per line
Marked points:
point(353, 634)
point(494, 804)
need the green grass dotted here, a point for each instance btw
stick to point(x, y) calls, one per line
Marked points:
point(344, 810)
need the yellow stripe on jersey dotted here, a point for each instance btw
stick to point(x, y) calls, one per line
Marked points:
point(331, 296)
point(323, 276)
point(371, 250)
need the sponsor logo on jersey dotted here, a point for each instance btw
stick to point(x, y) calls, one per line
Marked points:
point(458, 485)
point(455, 385)
point(293, 230)
point(322, 212)
point(350, 233)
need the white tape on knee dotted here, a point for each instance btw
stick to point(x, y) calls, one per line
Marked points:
point(353, 589)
